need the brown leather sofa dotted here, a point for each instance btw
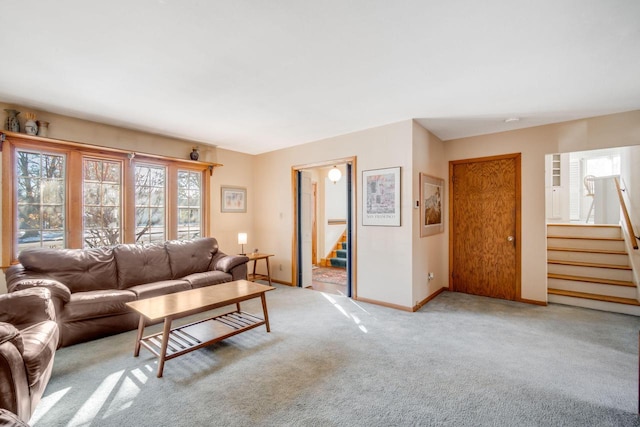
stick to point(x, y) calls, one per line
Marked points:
point(28, 341)
point(91, 286)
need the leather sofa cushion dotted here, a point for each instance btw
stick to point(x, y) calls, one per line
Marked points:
point(139, 264)
point(154, 289)
point(79, 269)
point(40, 342)
point(200, 280)
point(192, 256)
point(91, 304)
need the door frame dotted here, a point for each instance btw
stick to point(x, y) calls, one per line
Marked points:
point(314, 225)
point(351, 220)
point(518, 231)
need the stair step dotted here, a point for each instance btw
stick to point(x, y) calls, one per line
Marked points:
point(338, 262)
point(584, 230)
point(603, 271)
point(596, 297)
point(593, 287)
point(591, 280)
point(583, 243)
point(587, 250)
point(588, 256)
point(611, 307)
point(341, 253)
point(590, 264)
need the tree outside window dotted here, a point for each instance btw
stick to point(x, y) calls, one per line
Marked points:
point(40, 200)
point(102, 203)
point(150, 190)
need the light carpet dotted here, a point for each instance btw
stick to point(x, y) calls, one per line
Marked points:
point(461, 360)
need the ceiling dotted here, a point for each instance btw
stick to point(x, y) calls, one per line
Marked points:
point(255, 76)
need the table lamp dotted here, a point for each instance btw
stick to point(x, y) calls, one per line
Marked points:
point(242, 240)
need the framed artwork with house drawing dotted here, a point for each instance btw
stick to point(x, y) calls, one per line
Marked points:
point(431, 208)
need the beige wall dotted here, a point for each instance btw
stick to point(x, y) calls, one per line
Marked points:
point(225, 226)
point(600, 132)
point(384, 254)
point(430, 253)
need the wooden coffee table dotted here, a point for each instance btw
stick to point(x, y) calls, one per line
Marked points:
point(175, 342)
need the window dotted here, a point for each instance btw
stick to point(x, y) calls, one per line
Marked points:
point(40, 199)
point(189, 204)
point(68, 195)
point(150, 184)
point(102, 202)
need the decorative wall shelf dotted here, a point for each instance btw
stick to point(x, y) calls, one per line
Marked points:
point(100, 148)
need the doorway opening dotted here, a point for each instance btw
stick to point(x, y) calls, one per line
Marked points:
point(580, 186)
point(324, 236)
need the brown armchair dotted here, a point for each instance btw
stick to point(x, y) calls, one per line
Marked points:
point(28, 341)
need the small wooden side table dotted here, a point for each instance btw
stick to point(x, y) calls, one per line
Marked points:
point(255, 257)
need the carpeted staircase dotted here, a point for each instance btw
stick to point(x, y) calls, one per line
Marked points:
point(340, 260)
point(338, 256)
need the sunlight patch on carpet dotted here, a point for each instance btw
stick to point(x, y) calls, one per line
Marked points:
point(96, 401)
point(341, 309)
point(47, 403)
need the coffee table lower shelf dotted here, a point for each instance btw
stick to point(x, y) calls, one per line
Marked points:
point(193, 336)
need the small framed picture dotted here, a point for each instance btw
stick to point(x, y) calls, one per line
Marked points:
point(431, 212)
point(381, 197)
point(233, 199)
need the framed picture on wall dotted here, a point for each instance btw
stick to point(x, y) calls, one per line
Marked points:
point(381, 197)
point(233, 199)
point(431, 207)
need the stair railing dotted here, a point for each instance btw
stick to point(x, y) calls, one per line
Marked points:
point(625, 214)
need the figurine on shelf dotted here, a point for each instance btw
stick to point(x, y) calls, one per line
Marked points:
point(195, 155)
point(30, 126)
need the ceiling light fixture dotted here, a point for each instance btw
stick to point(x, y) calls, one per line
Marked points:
point(335, 175)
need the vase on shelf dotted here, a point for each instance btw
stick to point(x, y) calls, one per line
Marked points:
point(43, 127)
point(12, 125)
point(195, 155)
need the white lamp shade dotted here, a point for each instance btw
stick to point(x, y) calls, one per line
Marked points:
point(335, 174)
point(242, 238)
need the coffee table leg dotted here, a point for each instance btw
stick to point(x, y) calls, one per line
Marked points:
point(165, 341)
point(238, 307)
point(264, 311)
point(136, 352)
point(268, 272)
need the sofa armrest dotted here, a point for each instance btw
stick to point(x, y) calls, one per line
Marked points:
point(27, 306)
point(229, 262)
point(14, 386)
point(58, 290)
point(10, 333)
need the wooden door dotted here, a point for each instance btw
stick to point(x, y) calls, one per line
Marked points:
point(485, 226)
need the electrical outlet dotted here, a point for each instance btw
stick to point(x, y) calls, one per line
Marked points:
point(430, 276)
